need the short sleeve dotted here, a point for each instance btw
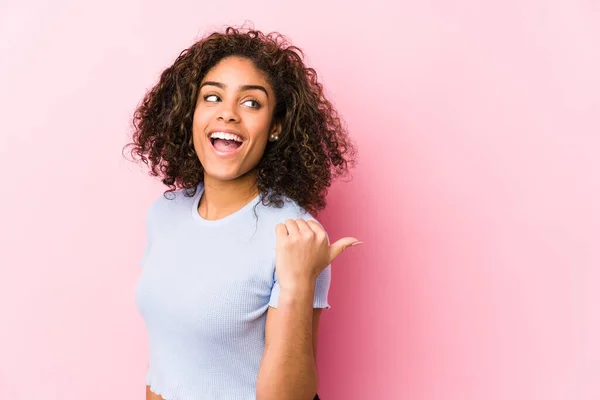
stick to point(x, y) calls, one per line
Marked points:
point(323, 280)
point(321, 290)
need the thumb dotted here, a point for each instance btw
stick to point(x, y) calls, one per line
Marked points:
point(336, 248)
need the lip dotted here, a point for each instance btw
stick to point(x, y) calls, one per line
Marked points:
point(221, 154)
point(225, 130)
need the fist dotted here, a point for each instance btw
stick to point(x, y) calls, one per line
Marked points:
point(303, 251)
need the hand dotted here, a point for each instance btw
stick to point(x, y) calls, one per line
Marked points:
point(303, 252)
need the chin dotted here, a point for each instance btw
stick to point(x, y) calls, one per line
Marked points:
point(222, 175)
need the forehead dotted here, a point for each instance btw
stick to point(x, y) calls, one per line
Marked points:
point(236, 70)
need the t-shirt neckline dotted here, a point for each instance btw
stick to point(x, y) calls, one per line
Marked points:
point(235, 215)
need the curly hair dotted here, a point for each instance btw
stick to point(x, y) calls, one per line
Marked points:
point(313, 147)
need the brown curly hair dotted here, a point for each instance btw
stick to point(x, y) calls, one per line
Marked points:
point(313, 146)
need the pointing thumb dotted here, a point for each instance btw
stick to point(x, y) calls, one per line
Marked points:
point(336, 248)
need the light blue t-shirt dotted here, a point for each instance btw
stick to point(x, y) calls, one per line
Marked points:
point(203, 293)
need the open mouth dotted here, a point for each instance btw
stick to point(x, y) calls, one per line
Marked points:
point(225, 146)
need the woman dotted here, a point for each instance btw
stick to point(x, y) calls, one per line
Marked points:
point(236, 269)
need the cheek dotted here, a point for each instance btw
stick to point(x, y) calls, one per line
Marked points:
point(261, 127)
point(199, 125)
point(260, 143)
point(199, 119)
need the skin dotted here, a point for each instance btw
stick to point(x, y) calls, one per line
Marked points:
point(302, 247)
point(231, 183)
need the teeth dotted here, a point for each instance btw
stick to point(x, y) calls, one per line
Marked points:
point(225, 136)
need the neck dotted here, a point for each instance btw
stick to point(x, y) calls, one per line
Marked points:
point(222, 198)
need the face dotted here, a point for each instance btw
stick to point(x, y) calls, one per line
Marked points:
point(233, 119)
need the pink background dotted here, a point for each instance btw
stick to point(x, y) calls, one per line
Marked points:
point(477, 193)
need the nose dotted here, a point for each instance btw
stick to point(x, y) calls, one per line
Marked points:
point(228, 112)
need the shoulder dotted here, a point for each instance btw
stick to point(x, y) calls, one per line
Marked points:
point(290, 210)
point(167, 203)
point(174, 198)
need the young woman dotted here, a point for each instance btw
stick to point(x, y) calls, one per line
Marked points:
point(236, 269)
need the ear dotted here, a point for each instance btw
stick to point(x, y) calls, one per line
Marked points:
point(275, 130)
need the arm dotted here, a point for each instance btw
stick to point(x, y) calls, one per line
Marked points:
point(150, 395)
point(288, 368)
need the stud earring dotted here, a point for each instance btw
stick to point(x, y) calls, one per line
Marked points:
point(273, 137)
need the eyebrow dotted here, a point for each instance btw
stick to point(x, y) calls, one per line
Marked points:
point(241, 88)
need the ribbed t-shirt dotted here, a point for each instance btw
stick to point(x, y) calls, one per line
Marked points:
point(204, 291)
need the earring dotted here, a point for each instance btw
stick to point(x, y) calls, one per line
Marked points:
point(273, 137)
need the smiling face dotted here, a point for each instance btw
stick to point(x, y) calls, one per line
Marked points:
point(233, 119)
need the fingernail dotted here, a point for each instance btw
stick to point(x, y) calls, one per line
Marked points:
point(356, 244)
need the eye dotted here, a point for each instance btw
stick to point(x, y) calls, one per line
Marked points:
point(254, 104)
point(257, 104)
point(210, 95)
